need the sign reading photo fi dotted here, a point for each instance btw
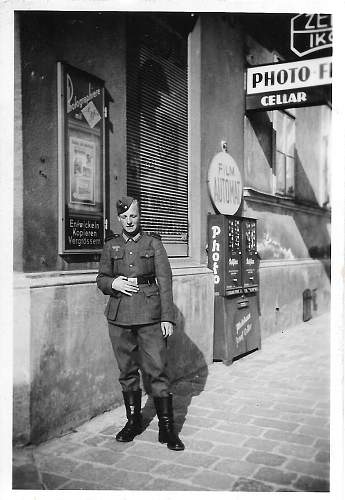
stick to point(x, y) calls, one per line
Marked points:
point(233, 258)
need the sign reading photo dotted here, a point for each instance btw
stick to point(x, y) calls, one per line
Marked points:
point(288, 85)
point(81, 161)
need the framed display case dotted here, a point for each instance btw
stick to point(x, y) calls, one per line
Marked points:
point(81, 132)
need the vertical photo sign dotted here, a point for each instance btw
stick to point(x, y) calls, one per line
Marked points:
point(81, 161)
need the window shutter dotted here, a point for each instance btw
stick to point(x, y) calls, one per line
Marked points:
point(157, 129)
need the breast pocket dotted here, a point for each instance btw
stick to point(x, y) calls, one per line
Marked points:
point(117, 256)
point(147, 261)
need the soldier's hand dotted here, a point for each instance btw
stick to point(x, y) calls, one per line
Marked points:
point(167, 328)
point(121, 284)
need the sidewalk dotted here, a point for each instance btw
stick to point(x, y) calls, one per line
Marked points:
point(261, 424)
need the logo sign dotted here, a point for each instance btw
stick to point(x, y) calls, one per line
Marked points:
point(284, 85)
point(84, 101)
point(310, 33)
point(91, 114)
point(243, 327)
point(225, 183)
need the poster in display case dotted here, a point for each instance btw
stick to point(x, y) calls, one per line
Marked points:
point(81, 120)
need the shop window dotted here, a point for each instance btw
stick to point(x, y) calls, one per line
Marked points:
point(157, 129)
point(284, 161)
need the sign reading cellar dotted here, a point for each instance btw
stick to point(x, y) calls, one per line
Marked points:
point(284, 85)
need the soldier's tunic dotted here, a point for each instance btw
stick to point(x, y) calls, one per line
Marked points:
point(134, 321)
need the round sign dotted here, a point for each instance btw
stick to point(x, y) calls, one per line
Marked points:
point(225, 183)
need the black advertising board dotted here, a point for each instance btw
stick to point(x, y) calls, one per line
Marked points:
point(232, 254)
point(250, 261)
point(83, 232)
point(295, 98)
point(81, 119)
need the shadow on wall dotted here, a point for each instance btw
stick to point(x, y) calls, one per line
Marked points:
point(188, 373)
point(264, 133)
point(154, 129)
point(317, 238)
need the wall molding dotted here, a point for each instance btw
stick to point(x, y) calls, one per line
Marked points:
point(87, 277)
point(265, 264)
point(253, 195)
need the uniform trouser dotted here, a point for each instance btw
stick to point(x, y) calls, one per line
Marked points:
point(144, 347)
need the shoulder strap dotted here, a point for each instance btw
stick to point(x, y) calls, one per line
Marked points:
point(111, 236)
point(155, 235)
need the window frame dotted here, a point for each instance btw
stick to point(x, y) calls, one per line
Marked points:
point(286, 115)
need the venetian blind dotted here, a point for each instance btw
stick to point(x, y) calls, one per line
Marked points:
point(157, 130)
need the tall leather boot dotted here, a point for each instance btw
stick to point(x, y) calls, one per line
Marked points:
point(133, 426)
point(164, 409)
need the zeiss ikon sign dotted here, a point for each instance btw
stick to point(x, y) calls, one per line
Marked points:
point(310, 33)
point(290, 84)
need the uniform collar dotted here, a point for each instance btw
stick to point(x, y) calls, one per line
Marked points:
point(135, 238)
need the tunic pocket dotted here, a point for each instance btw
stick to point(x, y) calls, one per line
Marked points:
point(112, 308)
point(147, 260)
point(153, 301)
point(117, 256)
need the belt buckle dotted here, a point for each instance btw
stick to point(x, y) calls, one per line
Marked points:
point(133, 280)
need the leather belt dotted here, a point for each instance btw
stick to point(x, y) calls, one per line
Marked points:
point(143, 280)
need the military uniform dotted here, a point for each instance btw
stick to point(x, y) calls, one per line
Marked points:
point(135, 320)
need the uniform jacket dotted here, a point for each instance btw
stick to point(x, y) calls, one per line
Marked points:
point(144, 255)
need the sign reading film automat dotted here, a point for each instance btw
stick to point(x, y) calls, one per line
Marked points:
point(288, 85)
point(81, 161)
point(225, 183)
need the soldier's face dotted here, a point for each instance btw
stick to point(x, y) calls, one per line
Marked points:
point(130, 220)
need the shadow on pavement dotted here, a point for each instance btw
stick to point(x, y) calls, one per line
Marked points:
point(188, 373)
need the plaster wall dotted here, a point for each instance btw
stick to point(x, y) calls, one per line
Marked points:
point(21, 359)
point(65, 370)
point(92, 42)
point(312, 138)
point(282, 284)
point(18, 155)
point(286, 232)
point(222, 97)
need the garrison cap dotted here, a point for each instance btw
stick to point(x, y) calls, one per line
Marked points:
point(123, 204)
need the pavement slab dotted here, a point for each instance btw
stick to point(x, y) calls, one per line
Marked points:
point(260, 424)
point(246, 484)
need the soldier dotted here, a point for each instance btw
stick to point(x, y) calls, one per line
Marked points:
point(134, 270)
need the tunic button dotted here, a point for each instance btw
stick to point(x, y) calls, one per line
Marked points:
point(130, 253)
point(130, 265)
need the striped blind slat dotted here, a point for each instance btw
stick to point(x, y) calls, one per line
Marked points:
point(157, 129)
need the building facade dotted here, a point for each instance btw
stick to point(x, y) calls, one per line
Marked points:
point(173, 90)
